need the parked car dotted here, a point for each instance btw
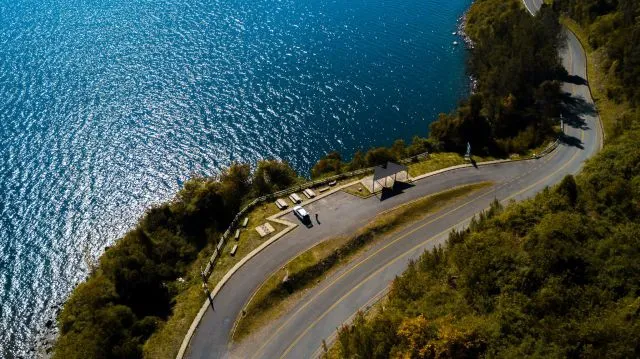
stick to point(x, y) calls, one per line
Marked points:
point(302, 214)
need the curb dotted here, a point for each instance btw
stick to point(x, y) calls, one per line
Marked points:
point(602, 135)
point(225, 279)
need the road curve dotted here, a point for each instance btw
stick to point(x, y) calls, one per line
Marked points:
point(533, 5)
point(299, 332)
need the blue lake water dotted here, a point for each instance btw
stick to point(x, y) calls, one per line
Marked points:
point(107, 106)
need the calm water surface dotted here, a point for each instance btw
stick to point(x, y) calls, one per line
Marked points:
point(106, 107)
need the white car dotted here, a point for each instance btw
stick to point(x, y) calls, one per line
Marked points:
point(301, 213)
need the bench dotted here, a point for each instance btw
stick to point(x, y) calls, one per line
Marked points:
point(309, 193)
point(323, 189)
point(234, 250)
point(237, 236)
point(246, 220)
point(295, 198)
point(281, 204)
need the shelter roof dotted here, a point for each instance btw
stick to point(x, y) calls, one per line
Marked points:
point(387, 170)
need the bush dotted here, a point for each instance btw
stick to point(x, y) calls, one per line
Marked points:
point(272, 176)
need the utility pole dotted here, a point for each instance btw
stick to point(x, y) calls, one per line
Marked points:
point(205, 287)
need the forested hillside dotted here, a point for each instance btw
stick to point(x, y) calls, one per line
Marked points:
point(555, 276)
point(515, 62)
point(613, 26)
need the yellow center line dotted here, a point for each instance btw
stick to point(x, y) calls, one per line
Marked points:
point(277, 331)
point(550, 175)
point(339, 301)
point(405, 253)
point(300, 336)
point(258, 352)
point(375, 299)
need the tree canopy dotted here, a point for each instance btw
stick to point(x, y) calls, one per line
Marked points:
point(515, 63)
point(614, 26)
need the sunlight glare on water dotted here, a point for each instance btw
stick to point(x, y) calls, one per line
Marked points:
point(106, 107)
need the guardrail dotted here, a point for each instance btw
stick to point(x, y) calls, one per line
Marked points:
point(323, 181)
point(552, 146)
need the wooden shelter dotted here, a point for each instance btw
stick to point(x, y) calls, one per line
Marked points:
point(384, 174)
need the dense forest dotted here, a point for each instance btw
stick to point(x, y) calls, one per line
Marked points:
point(132, 289)
point(515, 61)
point(555, 276)
point(614, 26)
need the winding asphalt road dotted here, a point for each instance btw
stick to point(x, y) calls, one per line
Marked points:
point(300, 331)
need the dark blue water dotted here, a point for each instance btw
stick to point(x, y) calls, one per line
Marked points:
point(106, 106)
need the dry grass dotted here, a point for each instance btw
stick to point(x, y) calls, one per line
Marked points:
point(270, 301)
point(436, 161)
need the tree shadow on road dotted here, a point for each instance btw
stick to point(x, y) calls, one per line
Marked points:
point(574, 108)
point(571, 141)
point(574, 79)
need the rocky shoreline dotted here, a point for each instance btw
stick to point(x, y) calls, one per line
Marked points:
point(46, 336)
point(462, 23)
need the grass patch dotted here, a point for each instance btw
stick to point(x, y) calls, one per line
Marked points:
point(358, 190)
point(275, 296)
point(438, 161)
point(610, 111)
point(166, 341)
point(339, 182)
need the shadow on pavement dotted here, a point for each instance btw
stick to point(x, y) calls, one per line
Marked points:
point(571, 141)
point(574, 108)
point(574, 79)
point(398, 188)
